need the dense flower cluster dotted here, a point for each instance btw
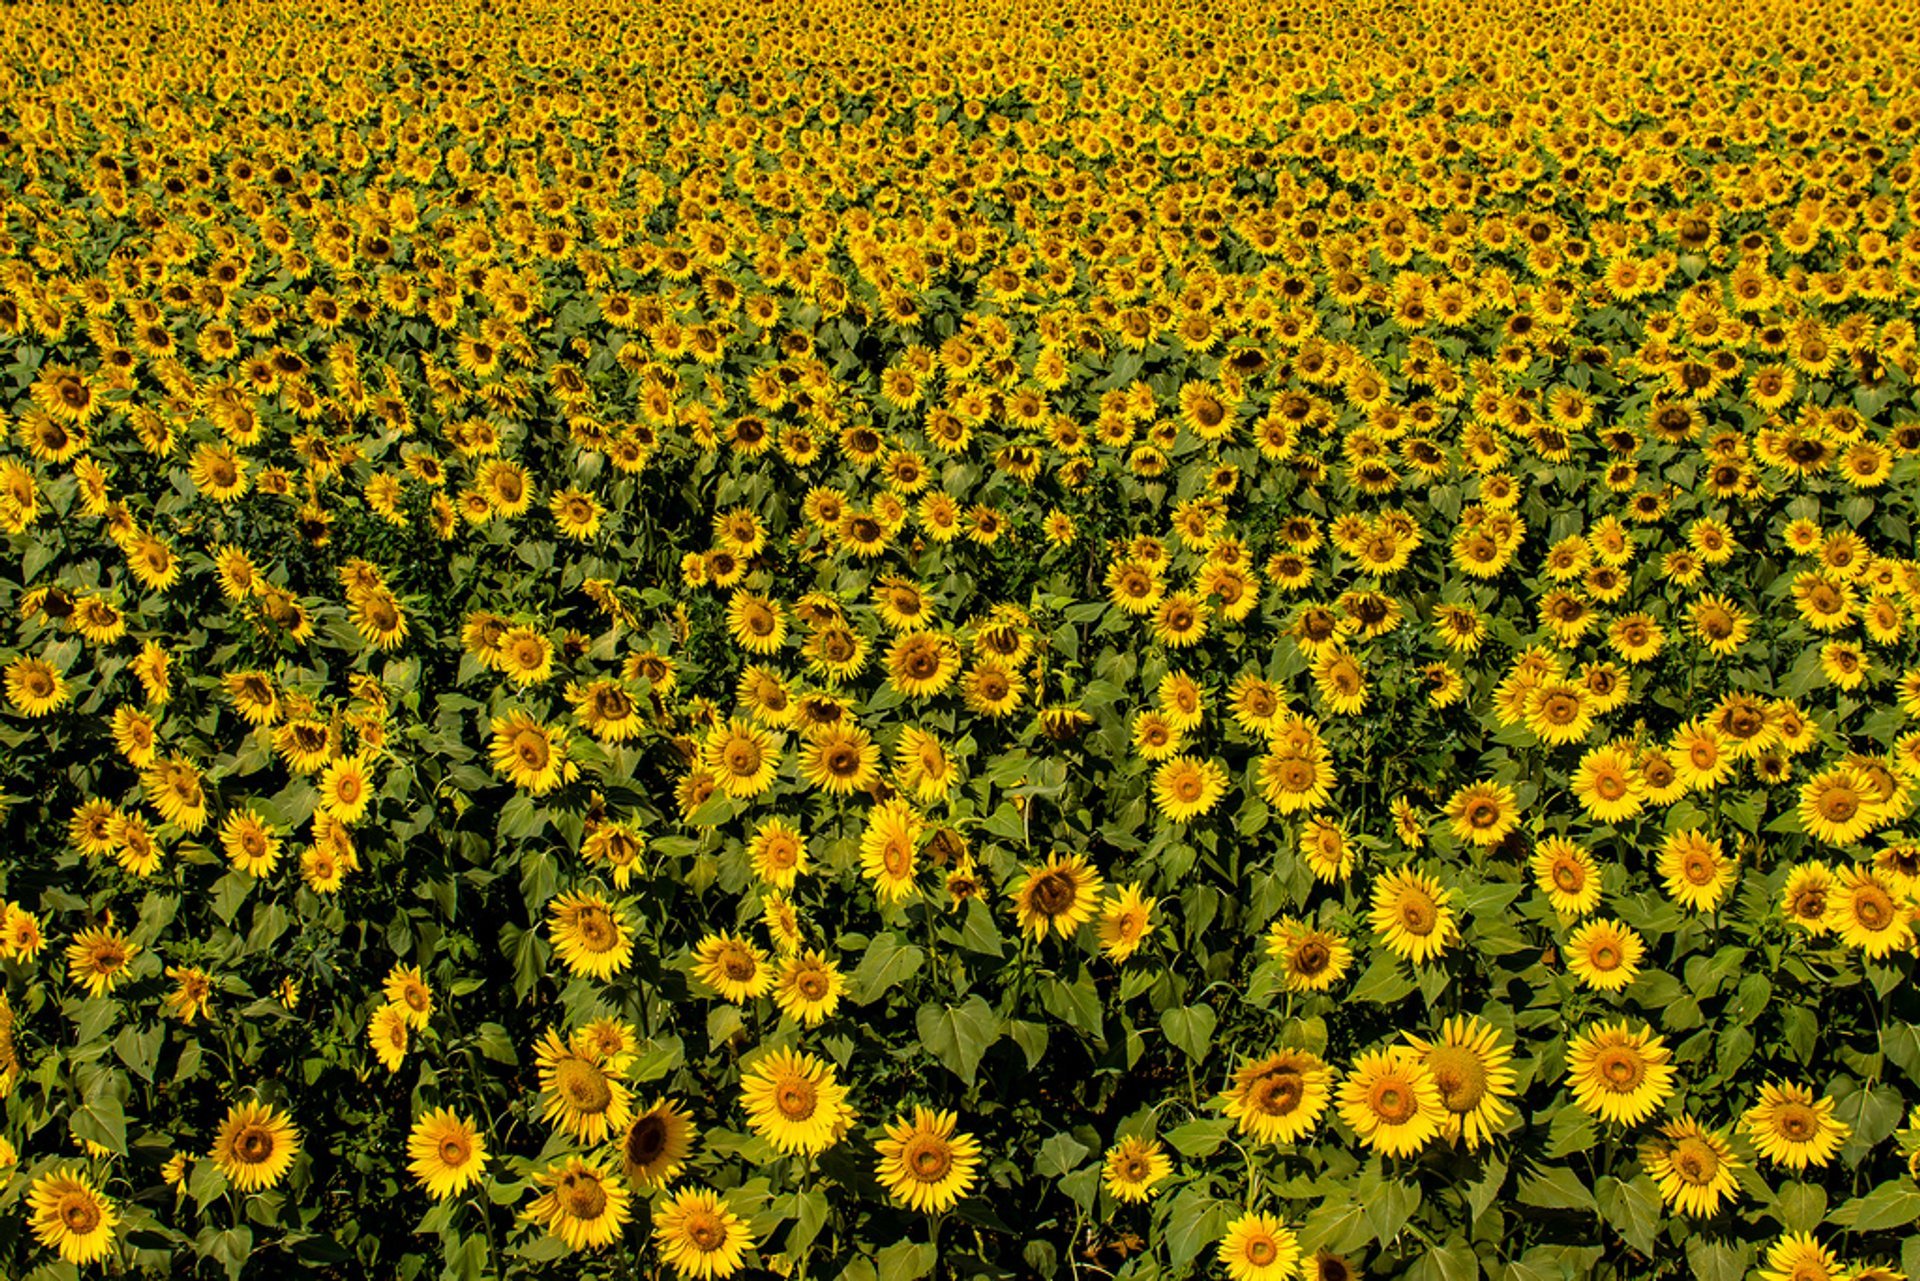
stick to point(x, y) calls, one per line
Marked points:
point(879, 641)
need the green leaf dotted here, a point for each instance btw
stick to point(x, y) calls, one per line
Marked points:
point(1800, 1207)
point(1633, 1209)
point(102, 1120)
point(1190, 1027)
point(1894, 1204)
point(1556, 1188)
point(1716, 1260)
point(1194, 1221)
point(1384, 982)
point(1389, 1206)
point(1570, 1131)
point(1482, 1191)
point(959, 1036)
point(905, 1261)
point(1198, 1139)
point(1077, 1003)
point(1060, 1154)
point(888, 960)
point(1339, 1226)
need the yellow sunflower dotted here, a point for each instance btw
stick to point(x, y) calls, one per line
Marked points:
point(584, 1205)
point(924, 1163)
point(446, 1153)
point(1693, 1167)
point(1790, 1127)
point(1133, 1166)
point(1279, 1098)
point(255, 1146)
point(1390, 1099)
point(1258, 1247)
point(1410, 912)
point(589, 934)
point(794, 1102)
point(700, 1235)
point(71, 1216)
point(656, 1144)
point(1618, 1074)
point(1470, 1068)
point(1057, 896)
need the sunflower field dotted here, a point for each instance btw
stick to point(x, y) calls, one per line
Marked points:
point(868, 641)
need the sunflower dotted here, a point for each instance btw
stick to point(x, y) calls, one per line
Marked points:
point(1258, 1247)
point(1483, 813)
point(794, 1102)
point(1471, 1072)
point(1868, 913)
point(1185, 787)
point(1327, 849)
point(924, 1163)
point(656, 1144)
point(1618, 1074)
point(887, 846)
point(839, 759)
point(1797, 1256)
point(1804, 898)
point(255, 1145)
point(530, 755)
point(733, 967)
point(584, 1205)
point(1607, 784)
point(1790, 1127)
point(1341, 680)
point(346, 788)
point(1292, 781)
point(1836, 806)
point(387, 1033)
point(1312, 959)
point(98, 958)
point(446, 1153)
point(921, 664)
point(250, 844)
point(1057, 896)
point(590, 935)
point(35, 687)
point(1133, 1166)
point(1411, 914)
point(609, 712)
point(1693, 1167)
point(1279, 1098)
point(700, 1235)
point(1125, 922)
point(1695, 869)
point(580, 1091)
point(1566, 874)
point(71, 1216)
point(809, 987)
point(779, 853)
point(1391, 1101)
point(1605, 955)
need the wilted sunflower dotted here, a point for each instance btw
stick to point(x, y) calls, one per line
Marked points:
point(700, 1235)
point(1279, 1098)
point(1057, 896)
point(446, 1153)
point(255, 1145)
point(794, 1102)
point(1618, 1074)
point(1693, 1167)
point(589, 934)
point(584, 1205)
point(924, 1164)
point(71, 1216)
point(1132, 1167)
point(1391, 1101)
